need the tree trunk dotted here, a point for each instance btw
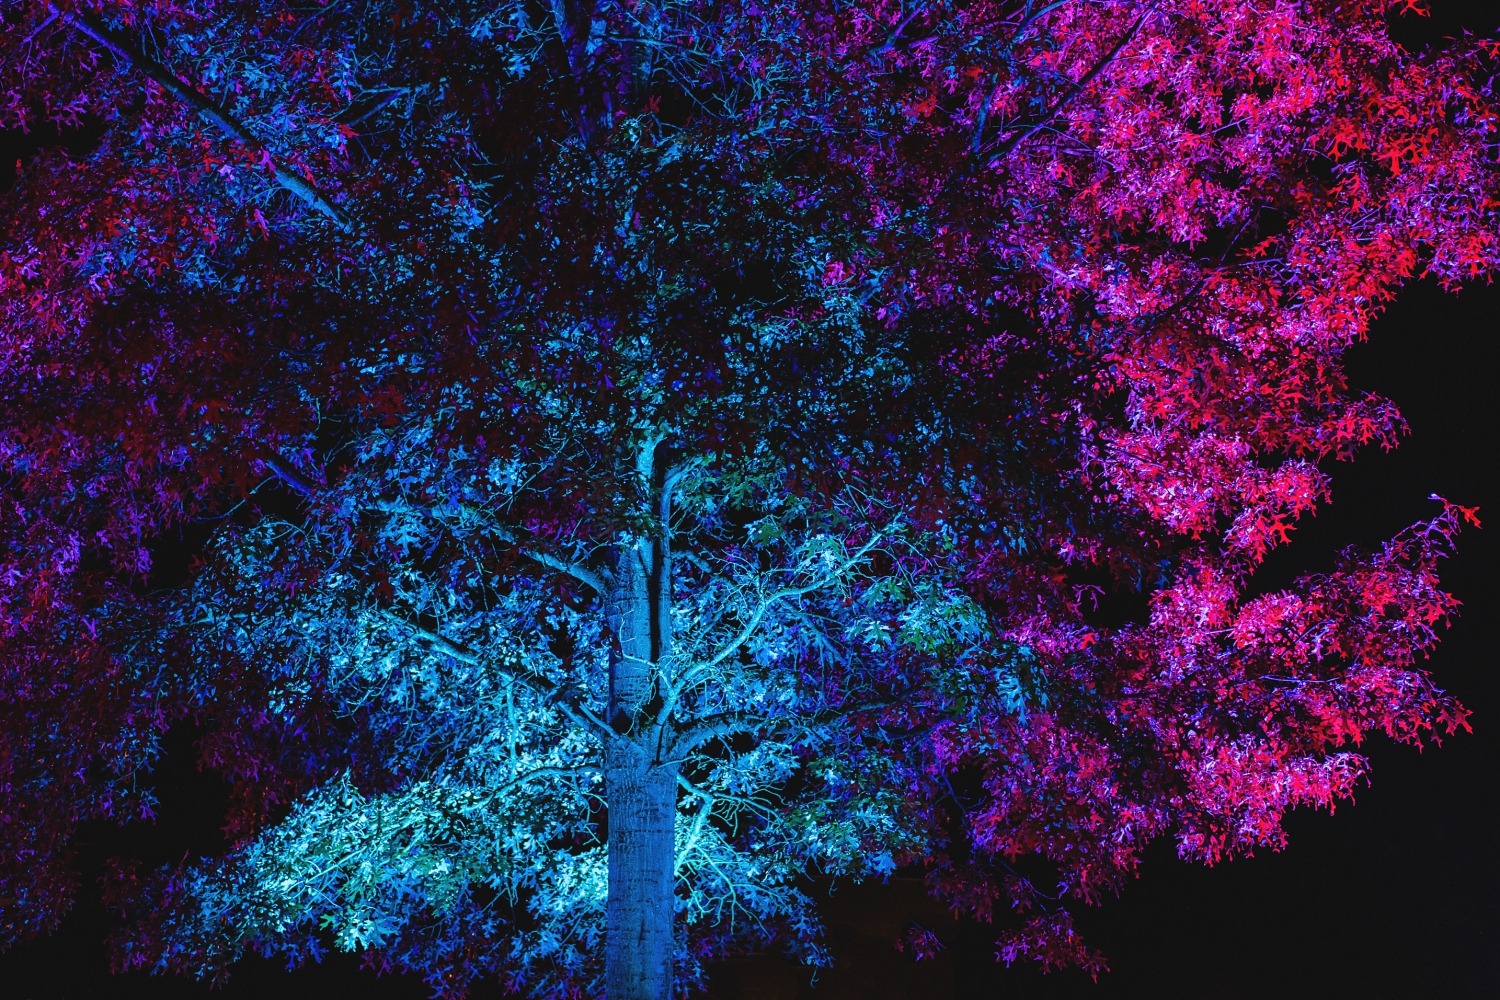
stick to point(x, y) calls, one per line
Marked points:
point(628, 612)
point(639, 914)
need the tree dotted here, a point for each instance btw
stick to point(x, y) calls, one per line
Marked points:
point(647, 455)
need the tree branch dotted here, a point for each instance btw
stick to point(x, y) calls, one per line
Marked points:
point(574, 20)
point(671, 475)
point(294, 478)
point(300, 483)
point(723, 724)
point(769, 601)
point(125, 50)
point(536, 772)
point(386, 97)
point(1077, 88)
point(712, 727)
point(588, 577)
point(551, 694)
point(889, 44)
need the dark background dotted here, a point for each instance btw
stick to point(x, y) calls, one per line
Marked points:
point(1396, 895)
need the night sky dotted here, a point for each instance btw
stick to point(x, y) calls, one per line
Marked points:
point(1397, 895)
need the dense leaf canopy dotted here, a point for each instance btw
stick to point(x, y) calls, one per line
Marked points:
point(866, 345)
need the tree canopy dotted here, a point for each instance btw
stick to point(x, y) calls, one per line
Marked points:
point(640, 459)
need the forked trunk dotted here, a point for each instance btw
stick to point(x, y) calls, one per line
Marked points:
point(640, 913)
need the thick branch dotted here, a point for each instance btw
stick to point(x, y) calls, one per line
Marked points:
point(126, 50)
point(713, 727)
point(294, 478)
point(889, 45)
point(1031, 17)
point(670, 476)
point(575, 21)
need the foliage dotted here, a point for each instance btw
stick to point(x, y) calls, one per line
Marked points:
point(854, 343)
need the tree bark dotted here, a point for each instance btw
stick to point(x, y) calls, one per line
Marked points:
point(640, 912)
point(628, 611)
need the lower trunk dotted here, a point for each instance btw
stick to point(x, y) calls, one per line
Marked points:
point(640, 913)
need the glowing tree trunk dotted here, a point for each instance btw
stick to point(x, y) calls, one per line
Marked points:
point(641, 789)
point(642, 811)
